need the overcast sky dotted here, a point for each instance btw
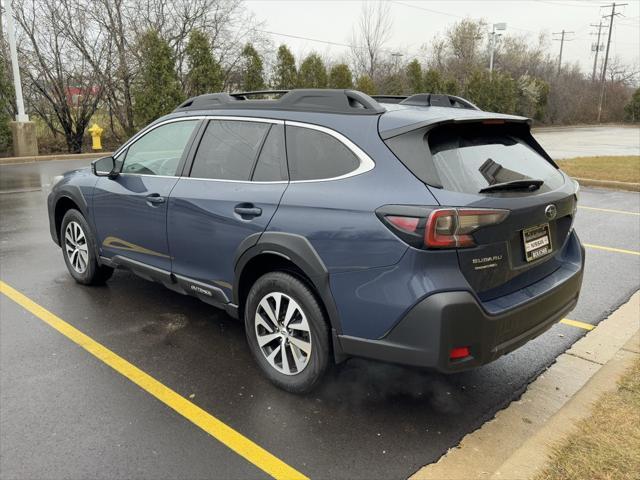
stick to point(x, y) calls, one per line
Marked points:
point(415, 22)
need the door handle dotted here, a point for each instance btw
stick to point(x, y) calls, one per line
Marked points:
point(155, 199)
point(248, 210)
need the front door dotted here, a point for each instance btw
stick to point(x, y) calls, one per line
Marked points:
point(237, 179)
point(130, 210)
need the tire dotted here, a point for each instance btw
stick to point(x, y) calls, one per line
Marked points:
point(302, 326)
point(79, 250)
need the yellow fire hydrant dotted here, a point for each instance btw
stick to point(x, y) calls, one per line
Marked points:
point(96, 133)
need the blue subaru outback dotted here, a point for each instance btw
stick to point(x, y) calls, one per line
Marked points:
point(416, 230)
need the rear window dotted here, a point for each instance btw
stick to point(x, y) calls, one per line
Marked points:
point(228, 149)
point(468, 158)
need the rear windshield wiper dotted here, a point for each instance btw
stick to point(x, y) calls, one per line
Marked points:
point(529, 184)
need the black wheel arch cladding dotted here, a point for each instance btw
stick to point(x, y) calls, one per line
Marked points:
point(298, 250)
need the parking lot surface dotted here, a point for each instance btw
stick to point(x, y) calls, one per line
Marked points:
point(64, 413)
point(569, 142)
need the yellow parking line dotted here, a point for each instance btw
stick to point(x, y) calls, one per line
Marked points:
point(199, 417)
point(611, 249)
point(609, 210)
point(575, 323)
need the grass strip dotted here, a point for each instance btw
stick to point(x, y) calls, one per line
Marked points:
point(620, 169)
point(606, 445)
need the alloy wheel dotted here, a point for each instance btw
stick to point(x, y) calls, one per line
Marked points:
point(283, 333)
point(76, 248)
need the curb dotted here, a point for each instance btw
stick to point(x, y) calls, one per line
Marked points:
point(516, 443)
point(531, 458)
point(47, 158)
point(634, 187)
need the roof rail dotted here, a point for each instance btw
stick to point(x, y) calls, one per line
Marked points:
point(309, 100)
point(389, 98)
point(258, 93)
point(428, 100)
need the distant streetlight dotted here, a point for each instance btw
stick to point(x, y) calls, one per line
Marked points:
point(21, 116)
point(396, 56)
point(500, 27)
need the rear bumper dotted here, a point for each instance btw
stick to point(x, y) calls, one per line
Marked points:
point(446, 320)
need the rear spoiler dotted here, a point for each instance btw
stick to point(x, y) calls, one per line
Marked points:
point(479, 119)
point(484, 119)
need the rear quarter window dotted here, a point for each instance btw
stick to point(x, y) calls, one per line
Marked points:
point(315, 155)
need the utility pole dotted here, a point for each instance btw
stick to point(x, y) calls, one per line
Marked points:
point(606, 53)
point(595, 60)
point(562, 40)
point(492, 44)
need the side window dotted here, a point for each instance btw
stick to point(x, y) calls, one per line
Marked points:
point(315, 155)
point(272, 163)
point(159, 151)
point(228, 149)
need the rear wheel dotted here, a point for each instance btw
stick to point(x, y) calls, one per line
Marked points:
point(287, 332)
point(78, 249)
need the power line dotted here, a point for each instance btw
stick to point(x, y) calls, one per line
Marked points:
point(606, 55)
point(327, 42)
point(425, 9)
point(431, 10)
point(560, 4)
point(299, 37)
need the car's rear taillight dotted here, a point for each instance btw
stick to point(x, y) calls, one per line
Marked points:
point(407, 224)
point(439, 228)
point(447, 228)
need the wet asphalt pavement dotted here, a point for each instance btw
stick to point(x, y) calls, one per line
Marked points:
point(64, 414)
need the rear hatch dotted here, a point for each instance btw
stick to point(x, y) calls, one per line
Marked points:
point(495, 164)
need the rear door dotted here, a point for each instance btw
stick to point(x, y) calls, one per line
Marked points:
point(464, 159)
point(235, 183)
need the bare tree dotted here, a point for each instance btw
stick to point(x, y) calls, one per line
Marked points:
point(519, 56)
point(226, 22)
point(619, 72)
point(64, 91)
point(436, 54)
point(465, 41)
point(116, 24)
point(368, 40)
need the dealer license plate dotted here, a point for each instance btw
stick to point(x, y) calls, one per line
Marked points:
point(537, 242)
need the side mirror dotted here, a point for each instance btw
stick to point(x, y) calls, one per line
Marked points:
point(104, 167)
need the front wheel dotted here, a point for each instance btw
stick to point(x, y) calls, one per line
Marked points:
point(78, 249)
point(287, 332)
